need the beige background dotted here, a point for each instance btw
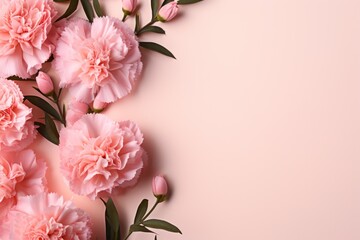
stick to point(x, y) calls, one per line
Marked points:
point(256, 125)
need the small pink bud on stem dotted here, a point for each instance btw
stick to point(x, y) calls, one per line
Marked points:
point(99, 106)
point(160, 188)
point(168, 12)
point(129, 6)
point(45, 83)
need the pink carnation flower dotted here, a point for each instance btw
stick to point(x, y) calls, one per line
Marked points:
point(99, 155)
point(45, 216)
point(16, 129)
point(99, 60)
point(20, 174)
point(24, 29)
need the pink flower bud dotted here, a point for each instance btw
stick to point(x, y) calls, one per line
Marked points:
point(159, 187)
point(98, 106)
point(168, 11)
point(128, 6)
point(45, 83)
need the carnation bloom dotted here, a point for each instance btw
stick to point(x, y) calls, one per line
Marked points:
point(24, 30)
point(99, 60)
point(45, 216)
point(98, 155)
point(16, 129)
point(20, 174)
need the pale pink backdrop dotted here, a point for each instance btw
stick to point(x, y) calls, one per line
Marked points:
point(256, 124)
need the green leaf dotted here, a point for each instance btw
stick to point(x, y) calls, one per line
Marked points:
point(161, 224)
point(98, 9)
point(16, 78)
point(183, 2)
point(51, 128)
point(112, 221)
point(157, 48)
point(43, 132)
point(166, 2)
point(138, 228)
point(70, 10)
point(154, 29)
point(88, 9)
point(45, 106)
point(154, 8)
point(141, 211)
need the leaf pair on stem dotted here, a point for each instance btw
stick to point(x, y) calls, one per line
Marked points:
point(141, 223)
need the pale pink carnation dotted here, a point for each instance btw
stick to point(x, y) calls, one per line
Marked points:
point(99, 155)
point(21, 174)
point(45, 216)
point(16, 128)
point(99, 60)
point(24, 29)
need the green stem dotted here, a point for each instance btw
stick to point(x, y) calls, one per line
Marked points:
point(127, 236)
point(55, 99)
point(61, 113)
point(138, 32)
point(145, 217)
point(124, 17)
point(151, 210)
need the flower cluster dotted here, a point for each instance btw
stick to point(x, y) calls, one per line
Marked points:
point(99, 62)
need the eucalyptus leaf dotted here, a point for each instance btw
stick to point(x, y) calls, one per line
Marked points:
point(112, 221)
point(88, 9)
point(141, 211)
point(45, 106)
point(154, 8)
point(139, 228)
point(99, 11)
point(161, 224)
point(157, 48)
point(41, 128)
point(154, 29)
point(184, 2)
point(70, 10)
